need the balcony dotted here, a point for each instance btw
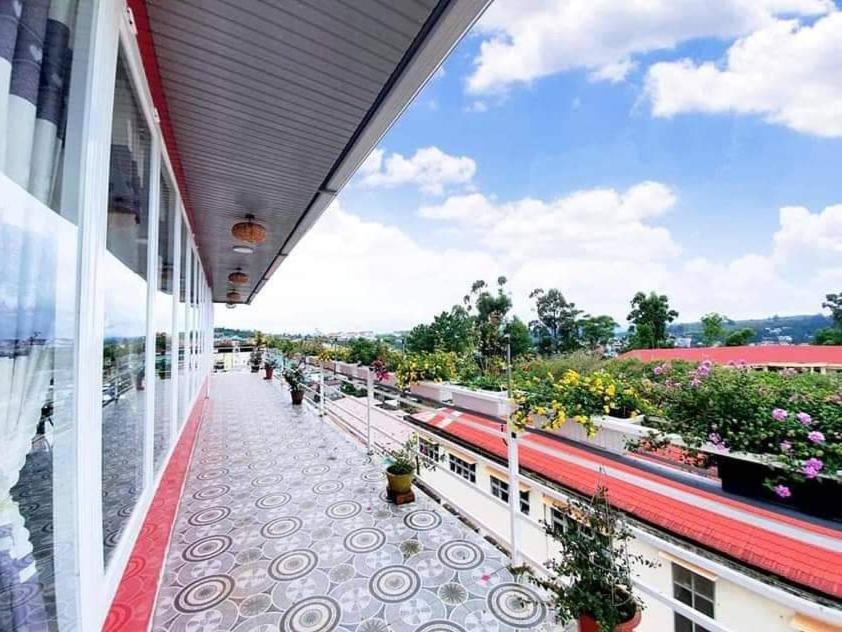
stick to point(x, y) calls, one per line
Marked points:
point(283, 522)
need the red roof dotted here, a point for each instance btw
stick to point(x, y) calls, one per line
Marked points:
point(758, 356)
point(796, 550)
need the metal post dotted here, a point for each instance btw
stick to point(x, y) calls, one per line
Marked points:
point(514, 496)
point(369, 402)
point(321, 391)
point(514, 466)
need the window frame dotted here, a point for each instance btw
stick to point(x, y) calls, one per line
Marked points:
point(462, 468)
point(694, 597)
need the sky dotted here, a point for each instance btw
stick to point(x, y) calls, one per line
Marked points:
point(690, 147)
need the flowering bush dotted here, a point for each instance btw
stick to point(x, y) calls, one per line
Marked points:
point(791, 420)
point(416, 367)
point(575, 396)
point(333, 353)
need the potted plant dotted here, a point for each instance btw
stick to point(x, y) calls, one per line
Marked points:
point(591, 578)
point(425, 374)
point(402, 466)
point(255, 358)
point(269, 367)
point(294, 377)
point(775, 436)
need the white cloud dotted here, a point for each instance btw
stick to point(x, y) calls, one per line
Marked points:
point(429, 168)
point(789, 73)
point(525, 40)
point(583, 223)
point(599, 246)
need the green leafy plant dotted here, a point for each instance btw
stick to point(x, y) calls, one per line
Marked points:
point(294, 377)
point(403, 459)
point(416, 367)
point(592, 574)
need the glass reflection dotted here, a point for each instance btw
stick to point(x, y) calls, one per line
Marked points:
point(123, 369)
point(182, 327)
point(163, 324)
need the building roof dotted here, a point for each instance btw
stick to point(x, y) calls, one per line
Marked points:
point(268, 108)
point(760, 355)
point(798, 551)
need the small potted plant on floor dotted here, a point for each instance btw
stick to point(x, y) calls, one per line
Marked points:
point(269, 366)
point(591, 579)
point(255, 358)
point(401, 470)
point(294, 377)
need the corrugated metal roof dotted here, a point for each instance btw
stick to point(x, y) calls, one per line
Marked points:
point(273, 104)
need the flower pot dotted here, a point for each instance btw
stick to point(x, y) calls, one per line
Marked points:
point(389, 380)
point(345, 368)
point(491, 403)
point(270, 370)
point(588, 624)
point(361, 372)
point(613, 433)
point(254, 368)
point(297, 397)
point(437, 391)
point(820, 496)
point(399, 483)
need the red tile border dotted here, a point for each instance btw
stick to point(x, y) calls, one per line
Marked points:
point(134, 603)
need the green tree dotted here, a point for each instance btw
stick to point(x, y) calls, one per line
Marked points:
point(597, 331)
point(421, 339)
point(556, 329)
point(488, 309)
point(713, 328)
point(450, 331)
point(739, 337)
point(831, 335)
point(649, 317)
point(519, 337)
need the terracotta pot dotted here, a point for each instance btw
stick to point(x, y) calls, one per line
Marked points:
point(588, 624)
point(297, 397)
point(399, 483)
point(269, 371)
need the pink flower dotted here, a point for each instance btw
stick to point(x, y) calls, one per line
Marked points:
point(658, 370)
point(816, 437)
point(804, 419)
point(779, 414)
point(812, 467)
point(695, 382)
point(786, 446)
point(782, 491)
point(715, 439)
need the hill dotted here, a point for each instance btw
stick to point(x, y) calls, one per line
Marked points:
point(793, 329)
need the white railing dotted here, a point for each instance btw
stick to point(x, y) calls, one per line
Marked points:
point(355, 418)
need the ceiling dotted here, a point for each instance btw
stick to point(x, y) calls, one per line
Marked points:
point(273, 104)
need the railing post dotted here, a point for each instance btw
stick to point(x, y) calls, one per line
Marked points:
point(514, 496)
point(369, 383)
point(321, 391)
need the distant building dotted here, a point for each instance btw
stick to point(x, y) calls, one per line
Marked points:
point(772, 357)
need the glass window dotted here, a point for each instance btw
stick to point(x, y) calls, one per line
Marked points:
point(184, 278)
point(124, 275)
point(695, 591)
point(500, 489)
point(38, 314)
point(466, 470)
point(163, 323)
point(429, 449)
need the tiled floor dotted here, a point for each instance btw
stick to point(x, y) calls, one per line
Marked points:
point(283, 526)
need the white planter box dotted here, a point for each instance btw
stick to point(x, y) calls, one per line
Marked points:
point(328, 365)
point(438, 391)
point(390, 380)
point(361, 372)
point(491, 403)
point(612, 435)
point(345, 368)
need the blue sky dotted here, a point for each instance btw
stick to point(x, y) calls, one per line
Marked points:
point(717, 120)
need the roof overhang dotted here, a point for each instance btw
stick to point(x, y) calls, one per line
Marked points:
point(269, 107)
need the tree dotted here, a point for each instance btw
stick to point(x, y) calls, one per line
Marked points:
point(739, 337)
point(713, 328)
point(556, 328)
point(519, 337)
point(488, 310)
point(450, 331)
point(831, 335)
point(597, 331)
point(421, 338)
point(649, 318)
point(833, 302)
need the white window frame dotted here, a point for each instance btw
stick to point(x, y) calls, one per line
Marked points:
point(500, 489)
point(694, 596)
point(463, 468)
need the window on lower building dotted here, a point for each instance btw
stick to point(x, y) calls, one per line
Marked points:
point(500, 489)
point(695, 591)
point(466, 470)
point(563, 522)
point(429, 449)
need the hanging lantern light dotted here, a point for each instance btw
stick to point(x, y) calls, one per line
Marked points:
point(249, 231)
point(238, 277)
point(233, 296)
point(230, 305)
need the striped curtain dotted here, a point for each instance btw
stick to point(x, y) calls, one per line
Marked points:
point(35, 57)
